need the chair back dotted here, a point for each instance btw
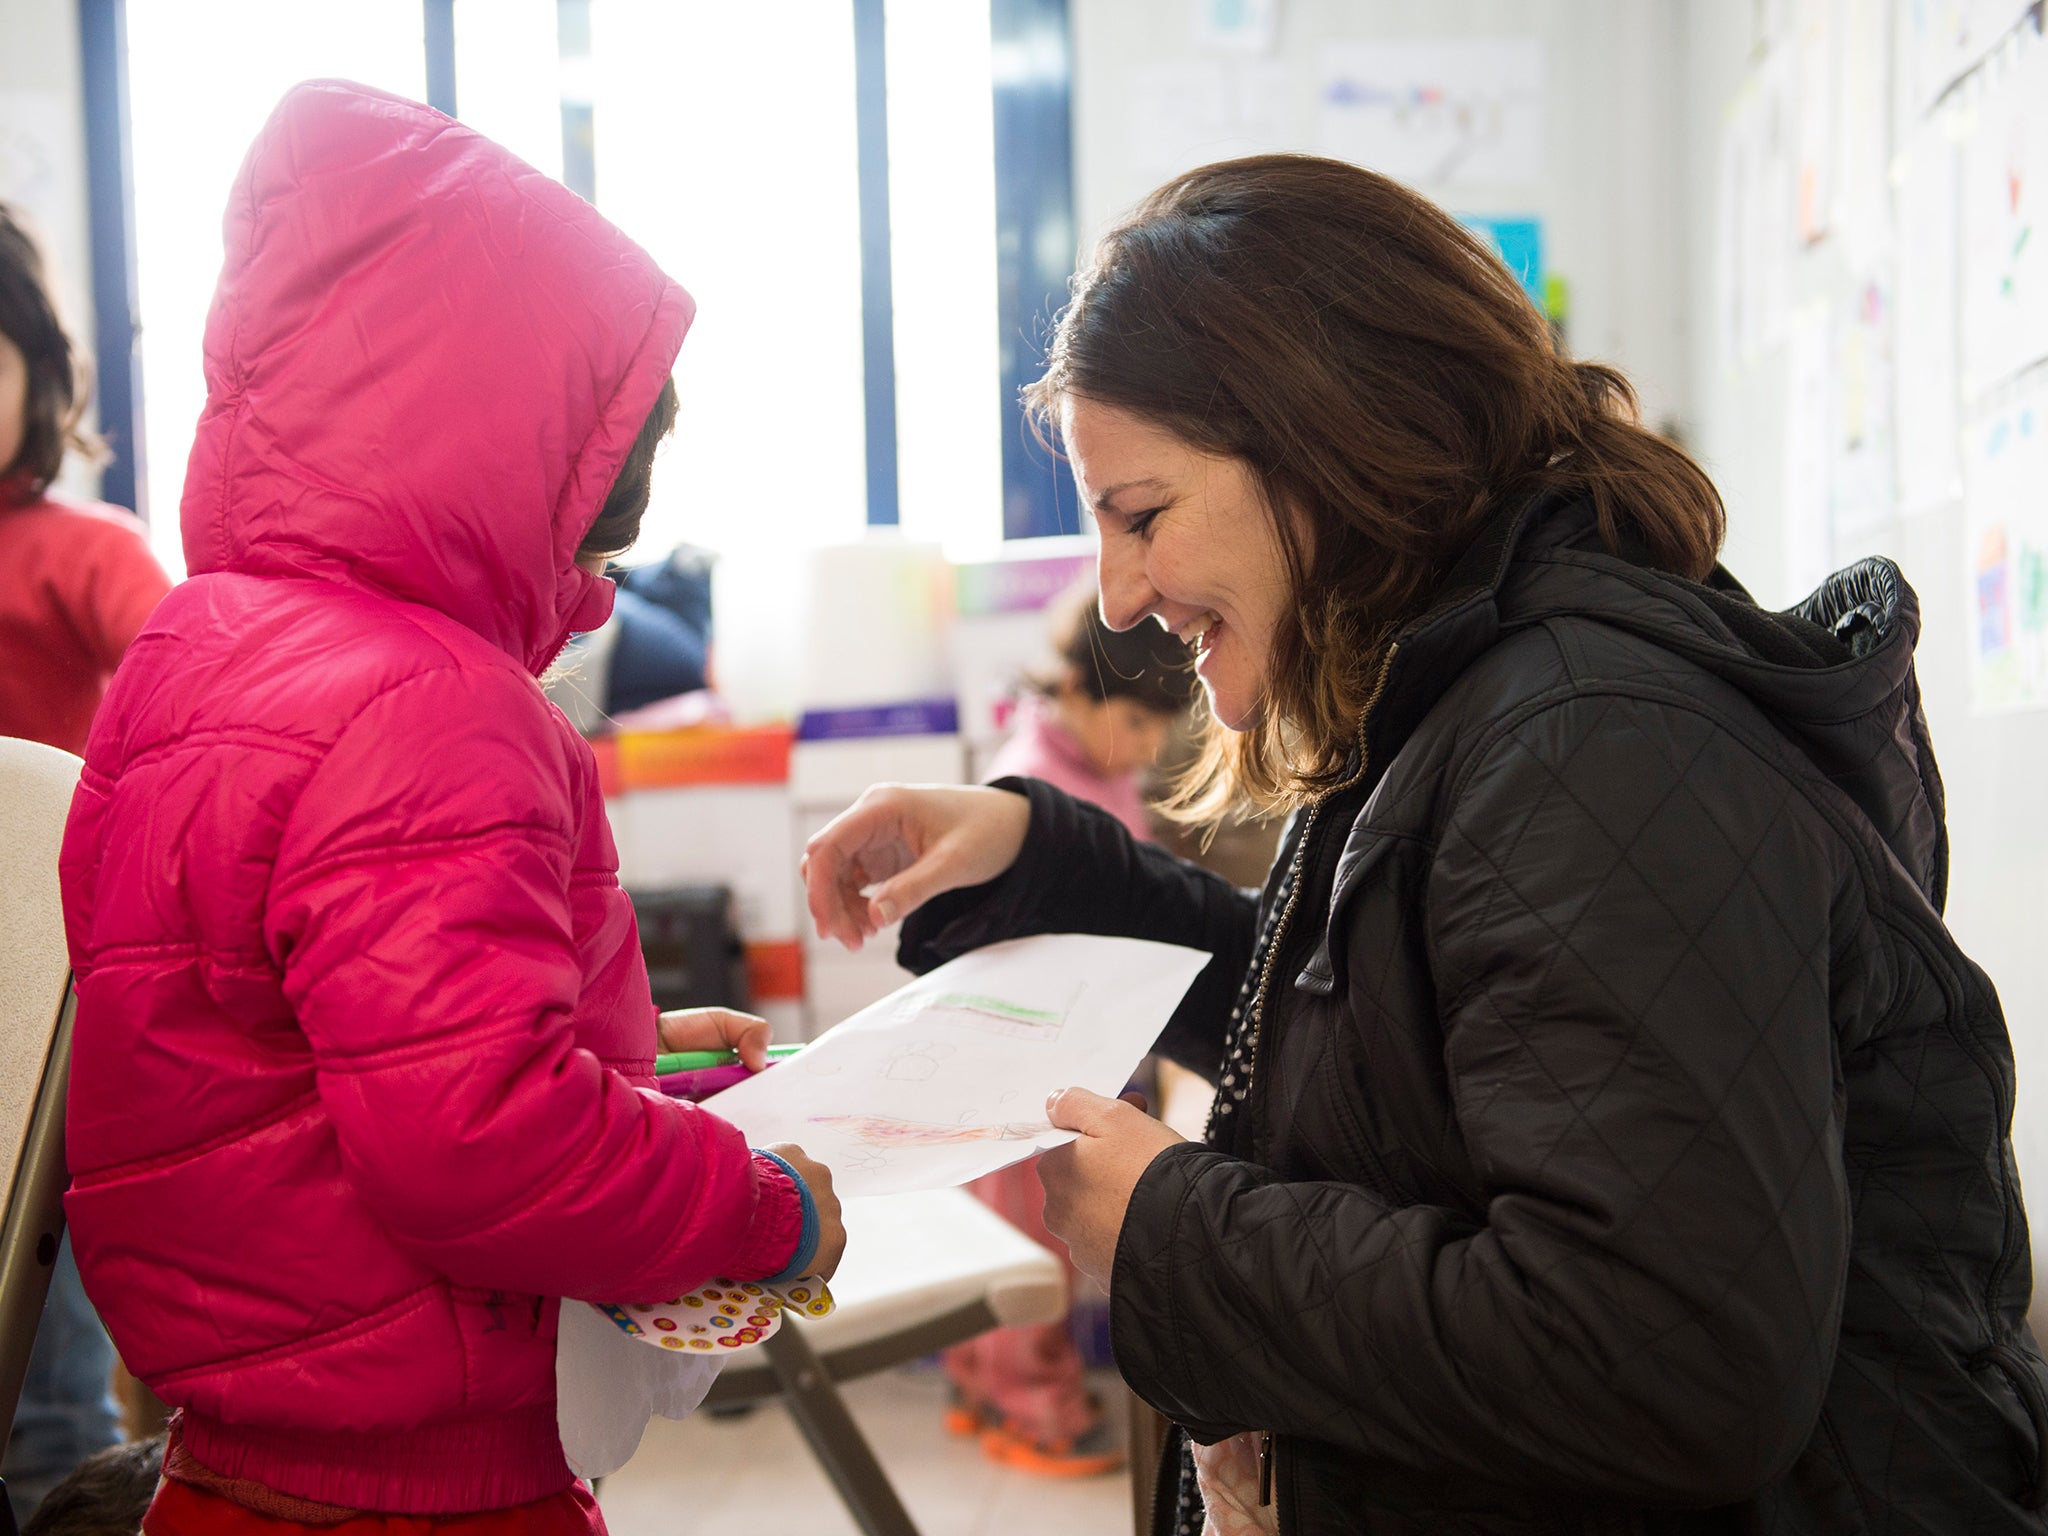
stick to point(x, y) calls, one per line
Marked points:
point(35, 1043)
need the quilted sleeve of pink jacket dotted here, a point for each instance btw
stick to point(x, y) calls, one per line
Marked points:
point(420, 912)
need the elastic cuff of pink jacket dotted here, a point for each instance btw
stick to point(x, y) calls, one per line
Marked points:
point(783, 1239)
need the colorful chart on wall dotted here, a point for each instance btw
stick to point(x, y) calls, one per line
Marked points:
point(2005, 223)
point(2005, 468)
point(1437, 112)
point(946, 1079)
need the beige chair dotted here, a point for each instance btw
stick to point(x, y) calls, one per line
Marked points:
point(35, 1048)
point(922, 1271)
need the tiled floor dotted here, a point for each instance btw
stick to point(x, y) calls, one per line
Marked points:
point(756, 1477)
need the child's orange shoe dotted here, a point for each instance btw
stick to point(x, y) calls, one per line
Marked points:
point(1092, 1454)
point(963, 1418)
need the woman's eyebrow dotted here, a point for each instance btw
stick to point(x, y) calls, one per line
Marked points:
point(1101, 501)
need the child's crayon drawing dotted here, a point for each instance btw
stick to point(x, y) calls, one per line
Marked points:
point(883, 1131)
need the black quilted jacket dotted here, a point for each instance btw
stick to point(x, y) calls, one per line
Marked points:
point(1627, 1149)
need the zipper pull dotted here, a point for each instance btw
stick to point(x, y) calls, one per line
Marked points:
point(1265, 1468)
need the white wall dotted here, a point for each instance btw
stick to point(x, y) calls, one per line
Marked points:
point(1993, 765)
point(42, 156)
point(1608, 200)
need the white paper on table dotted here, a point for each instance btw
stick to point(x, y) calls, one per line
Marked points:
point(946, 1079)
point(607, 1388)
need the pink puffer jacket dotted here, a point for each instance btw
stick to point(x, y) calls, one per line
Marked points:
point(364, 1039)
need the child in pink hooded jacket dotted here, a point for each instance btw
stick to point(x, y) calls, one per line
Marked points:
point(364, 1053)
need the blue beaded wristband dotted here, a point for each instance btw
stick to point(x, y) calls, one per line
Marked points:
point(807, 1239)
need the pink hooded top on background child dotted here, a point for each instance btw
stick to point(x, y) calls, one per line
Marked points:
point(364, 1052)
point(1103, 718)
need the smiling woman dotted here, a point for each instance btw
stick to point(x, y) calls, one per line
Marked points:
point(1601, 976)
point(1185, 540)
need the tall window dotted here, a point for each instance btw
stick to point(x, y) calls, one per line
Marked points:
point(722, 138)
point(197, 94)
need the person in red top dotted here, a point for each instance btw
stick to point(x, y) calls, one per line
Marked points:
point(77, 580)
point(76, 583)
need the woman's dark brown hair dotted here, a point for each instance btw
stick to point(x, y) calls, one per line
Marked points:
point(1391, 388)
point(59, 383)
point(618, 521)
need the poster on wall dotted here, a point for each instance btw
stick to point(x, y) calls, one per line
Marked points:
point(2005, 478)
point(1189, 112)
point(1436, 112)
point(1862, 209)
point(1758, 215)
point(1928, 428)
point(1810, 427)
point(1817, 71)
point(1864, 486)
point(2005, 224)
point(1939, 41)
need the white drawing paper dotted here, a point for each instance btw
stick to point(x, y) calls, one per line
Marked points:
point(946, 1079)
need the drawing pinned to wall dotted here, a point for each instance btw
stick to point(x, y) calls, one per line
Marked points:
point(1437, 112)
point(1189, 112)
point(1863, 489)
point(1806, 516)
point(939, 1082)
point(2005, 224)
point(2006, 525)
point(1863, 139)
point(1238, 26)
point(1925, 412)
point(1758, 215)
point(1817, 71)
point(1939, 41)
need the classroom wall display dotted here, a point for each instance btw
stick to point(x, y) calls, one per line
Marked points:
point(1904, 315)
point(2006, 522)
point(2005, 209)
point(1436, 112)
point(1924, 340)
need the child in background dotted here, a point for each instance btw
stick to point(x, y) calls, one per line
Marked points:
point(1091, 730)
point(77, 581)
point(363, 1073)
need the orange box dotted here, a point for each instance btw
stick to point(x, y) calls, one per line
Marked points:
point(775, 970)
point(704, 754)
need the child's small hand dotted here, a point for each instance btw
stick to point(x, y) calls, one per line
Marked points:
point(717, 1029)
point(831, 1227)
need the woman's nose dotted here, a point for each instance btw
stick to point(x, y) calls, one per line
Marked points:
point(1126, 594)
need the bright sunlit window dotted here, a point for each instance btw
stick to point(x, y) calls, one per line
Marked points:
point(942, 216)
point(190, 133)
point(720, 137)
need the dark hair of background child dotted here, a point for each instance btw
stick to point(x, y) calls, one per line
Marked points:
point(106, 1495)
point(58, 380)
point(1144, 664)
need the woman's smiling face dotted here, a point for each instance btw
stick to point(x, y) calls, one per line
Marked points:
point(1185, 538)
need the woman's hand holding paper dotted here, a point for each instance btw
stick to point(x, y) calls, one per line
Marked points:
point(1088, 1182)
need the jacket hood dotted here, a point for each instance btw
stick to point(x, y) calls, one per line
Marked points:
point(425, 363)
point(1833, 673)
